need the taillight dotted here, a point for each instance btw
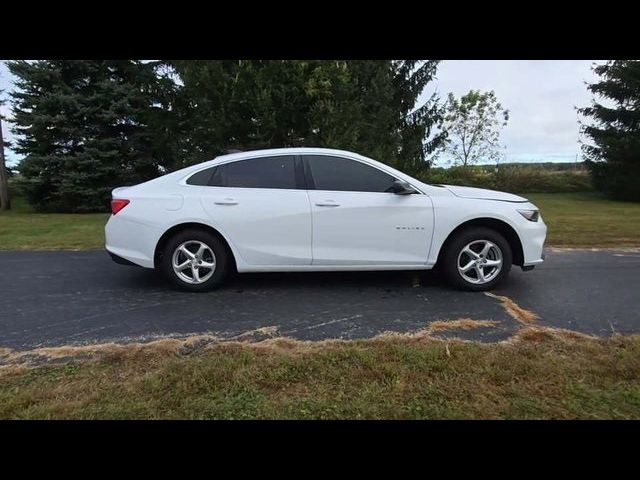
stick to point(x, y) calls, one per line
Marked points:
point(118, 204)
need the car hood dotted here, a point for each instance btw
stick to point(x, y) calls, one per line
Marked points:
point(484, 194)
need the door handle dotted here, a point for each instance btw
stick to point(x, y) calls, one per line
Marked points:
point(327, 203)
point(226, 201)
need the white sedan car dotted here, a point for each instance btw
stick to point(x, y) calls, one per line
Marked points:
point(313, 209)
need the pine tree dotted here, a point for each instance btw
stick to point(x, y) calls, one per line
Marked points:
point(613, 157)
point(368, 106)
point(416, 123)
point(351, 107)
point(80, 125)
point(238, 104)
point(86, 127)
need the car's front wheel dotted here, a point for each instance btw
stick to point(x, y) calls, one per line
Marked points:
point(195, 260)
point(476, 259)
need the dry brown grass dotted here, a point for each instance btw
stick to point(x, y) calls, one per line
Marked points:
point(537, 334)
point(539, 373)
point(460, 324)
point(269, 332)
point(518, 313)
point(43, 355)
point(20, 360)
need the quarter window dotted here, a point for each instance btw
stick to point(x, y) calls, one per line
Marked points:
point(265, 172)
point(343, 174)
point(202, 177)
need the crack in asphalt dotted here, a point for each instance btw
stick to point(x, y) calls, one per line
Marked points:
point(323, 324)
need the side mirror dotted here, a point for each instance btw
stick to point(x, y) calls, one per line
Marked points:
point(401, 188)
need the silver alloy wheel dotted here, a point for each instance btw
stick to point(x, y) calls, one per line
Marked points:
point(480, 262)
point(193, 262)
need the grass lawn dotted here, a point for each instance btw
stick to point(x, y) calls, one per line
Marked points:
point(574, 220)
point(587, 220)
point(22, 229)
point(541, 375)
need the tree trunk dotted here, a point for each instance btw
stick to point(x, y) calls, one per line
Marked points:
point(5, 203)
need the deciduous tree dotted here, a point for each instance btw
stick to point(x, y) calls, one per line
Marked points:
point(473, 124)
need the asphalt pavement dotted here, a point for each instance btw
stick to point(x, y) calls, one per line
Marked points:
point(60, 298)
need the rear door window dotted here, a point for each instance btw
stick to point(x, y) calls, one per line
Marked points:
point(263, 172)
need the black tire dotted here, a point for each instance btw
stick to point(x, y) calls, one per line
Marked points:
point(448, 263)
point(219, 249)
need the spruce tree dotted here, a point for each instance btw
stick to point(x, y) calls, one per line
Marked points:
point(368, 106)
point(86, 127)
point(351, 107)
point(80, 125)
point(416, 122)
point(238, 104)
point(613, 155)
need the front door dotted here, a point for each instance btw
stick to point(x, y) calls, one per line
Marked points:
point(357, 222)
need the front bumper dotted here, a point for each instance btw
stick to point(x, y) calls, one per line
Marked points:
point(532, 236)
point(531, 265)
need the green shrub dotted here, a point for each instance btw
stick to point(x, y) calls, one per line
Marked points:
point(467, 176)
point(15, 187)
point(533, 179)
point(618, 181)
point(513, 178)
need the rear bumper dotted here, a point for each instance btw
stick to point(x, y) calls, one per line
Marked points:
point(121, 261)
point(131, 240)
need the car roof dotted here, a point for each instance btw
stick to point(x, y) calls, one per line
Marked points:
point(291, 151)
point(286, 151)
point(275, 151)
point(183, 173)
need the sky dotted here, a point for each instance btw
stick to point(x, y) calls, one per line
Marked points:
point(5, 84)
point(541, 96)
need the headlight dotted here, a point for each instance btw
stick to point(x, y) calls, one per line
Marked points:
point(531, 215)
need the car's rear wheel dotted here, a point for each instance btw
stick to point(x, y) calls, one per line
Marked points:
point(195, 260)
point(476, 259)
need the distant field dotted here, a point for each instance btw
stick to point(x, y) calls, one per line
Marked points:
point(588, 220)
point(574, 219)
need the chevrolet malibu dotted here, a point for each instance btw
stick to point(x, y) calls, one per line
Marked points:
point(312, 209)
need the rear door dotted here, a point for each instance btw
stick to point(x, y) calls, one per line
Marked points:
point(261, 206)
point(357, 222)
